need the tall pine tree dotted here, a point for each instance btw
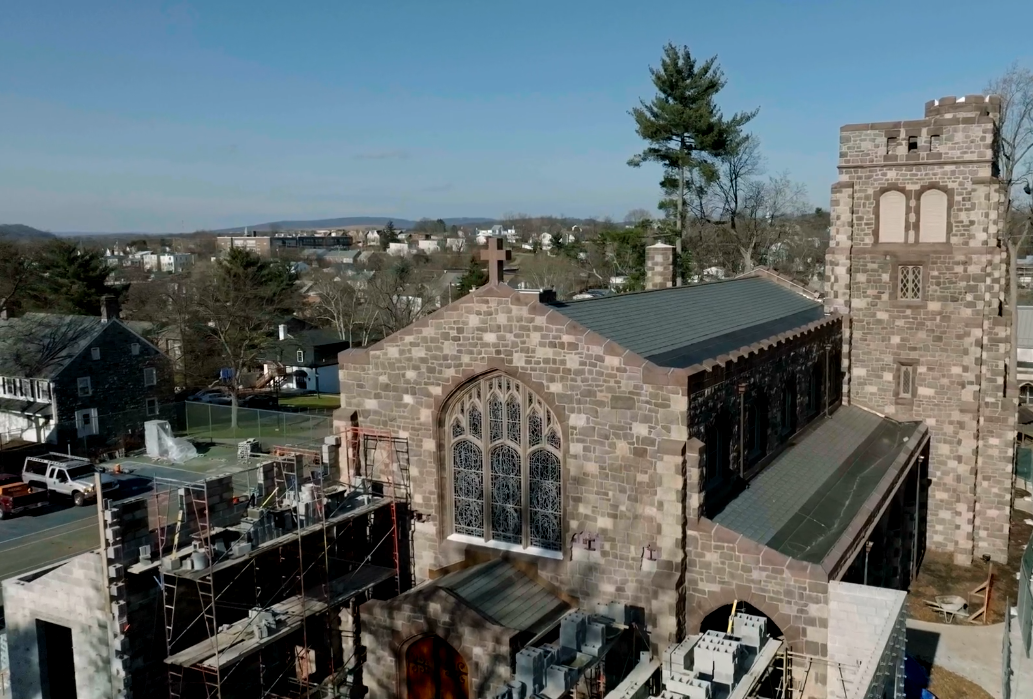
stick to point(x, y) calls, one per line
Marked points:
point(682, 125)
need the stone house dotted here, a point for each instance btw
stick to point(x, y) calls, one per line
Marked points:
point(673, 451)
point(80, 379)
point(917, 262)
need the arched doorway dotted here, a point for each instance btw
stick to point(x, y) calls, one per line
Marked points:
point(435, 670)
point(717, 620)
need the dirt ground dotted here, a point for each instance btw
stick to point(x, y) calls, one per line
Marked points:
point(940, 576)
point(944, 684)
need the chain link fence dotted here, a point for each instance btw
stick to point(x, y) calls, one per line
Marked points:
point(217, 423)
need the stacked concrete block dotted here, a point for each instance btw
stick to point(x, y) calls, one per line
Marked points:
point(219, 499)
point(531, 664)
point(751, 630)
point(331, 456)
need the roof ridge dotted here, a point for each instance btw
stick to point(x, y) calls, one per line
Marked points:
point(640, 292)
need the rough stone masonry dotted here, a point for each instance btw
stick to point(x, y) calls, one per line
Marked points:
point(917, 262)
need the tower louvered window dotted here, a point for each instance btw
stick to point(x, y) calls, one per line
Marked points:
point(505, 457)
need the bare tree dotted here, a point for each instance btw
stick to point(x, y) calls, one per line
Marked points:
point(237, 306)
point(343, 307)
point(546, 272)
point(636, 216)
point(1015, 169)
point(400, 294)
point(38, 342)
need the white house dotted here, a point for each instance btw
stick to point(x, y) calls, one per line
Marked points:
point(429, 245)
point(457, 244)
point(175, 262)
point(398, 249)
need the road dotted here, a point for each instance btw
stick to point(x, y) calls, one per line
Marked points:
point(59, 531)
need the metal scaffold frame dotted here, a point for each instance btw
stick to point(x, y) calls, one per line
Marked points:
point(262, 621)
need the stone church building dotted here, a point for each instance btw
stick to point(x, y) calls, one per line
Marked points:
point(665, 455)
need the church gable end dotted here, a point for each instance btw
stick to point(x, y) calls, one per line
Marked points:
point(613, 423)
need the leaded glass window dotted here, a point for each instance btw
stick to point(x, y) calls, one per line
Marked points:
point(506, 476)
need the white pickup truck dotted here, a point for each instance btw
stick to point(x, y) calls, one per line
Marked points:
point(66, 475)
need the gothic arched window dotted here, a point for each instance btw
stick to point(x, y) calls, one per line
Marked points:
point(892, 217)
point(932, 213)
point(505, 460)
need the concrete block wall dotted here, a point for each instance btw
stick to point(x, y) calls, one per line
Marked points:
point(866, 641)
point(958, 334)
point(71, 595)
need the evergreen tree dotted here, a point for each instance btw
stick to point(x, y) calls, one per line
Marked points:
point(70, 280)
point(682, 125)
point(474, 277)
point(388, 236)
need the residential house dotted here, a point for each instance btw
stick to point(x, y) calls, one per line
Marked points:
point(66, 378)
point(175, 262)
point(345, 257)
point(308, 358)
point(399, 249)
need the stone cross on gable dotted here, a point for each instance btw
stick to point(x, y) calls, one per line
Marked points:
point(496, 255)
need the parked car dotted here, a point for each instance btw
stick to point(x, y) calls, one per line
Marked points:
point(66, 475)
point(211, 395)
point(17, 497)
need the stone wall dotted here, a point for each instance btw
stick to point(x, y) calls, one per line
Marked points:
point(118, 392)
point(726, 566)
point(71, 595)
point(958, 334)
point(660, 266)
point(389, 626)
point(624, 436)
point(793, 359)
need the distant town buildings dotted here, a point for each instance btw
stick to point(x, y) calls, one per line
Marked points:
point(269, 244)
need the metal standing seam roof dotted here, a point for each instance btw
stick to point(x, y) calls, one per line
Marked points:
point(806, 498)
point(685, 325)
point(1024, 327)
point(505, 596)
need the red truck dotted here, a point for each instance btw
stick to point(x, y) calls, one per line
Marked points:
point(17, 497)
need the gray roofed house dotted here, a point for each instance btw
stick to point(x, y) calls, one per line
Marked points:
point(682, 326)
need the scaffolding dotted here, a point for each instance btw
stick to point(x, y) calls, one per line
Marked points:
point(262, 572)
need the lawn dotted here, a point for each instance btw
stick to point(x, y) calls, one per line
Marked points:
point(324, 402)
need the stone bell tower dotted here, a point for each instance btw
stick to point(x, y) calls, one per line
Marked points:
point(916, 261)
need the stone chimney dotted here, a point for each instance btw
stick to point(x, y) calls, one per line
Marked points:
point(659, 266)
point(109, 308)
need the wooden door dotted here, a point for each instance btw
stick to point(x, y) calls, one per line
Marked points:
point(435, 670)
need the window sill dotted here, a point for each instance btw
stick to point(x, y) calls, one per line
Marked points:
point(503, 546)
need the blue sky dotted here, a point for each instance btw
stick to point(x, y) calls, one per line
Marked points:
point(173, 116)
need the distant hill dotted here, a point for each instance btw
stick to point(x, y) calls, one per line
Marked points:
point(17, 231)
point(348, 221)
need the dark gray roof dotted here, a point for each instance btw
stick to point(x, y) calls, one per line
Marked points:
point(685, 325)
point(804, 500)
point(45, 341)
point(505, 596)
